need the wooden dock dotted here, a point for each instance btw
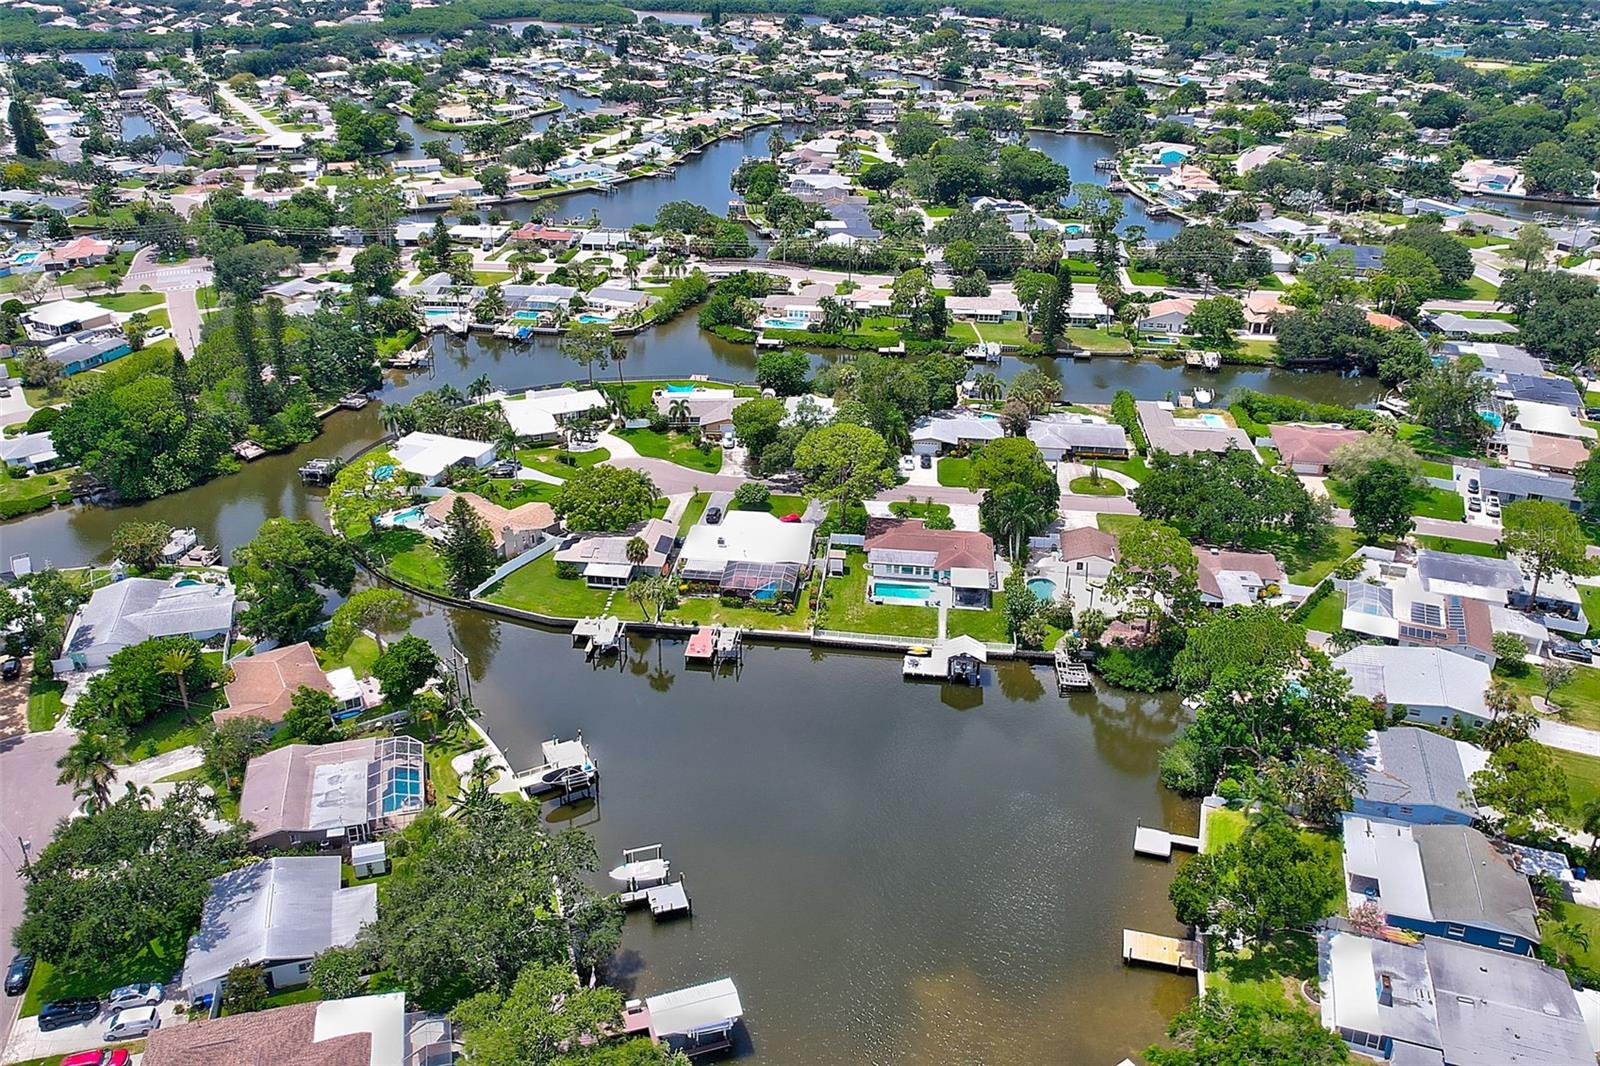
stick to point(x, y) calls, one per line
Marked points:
point(1151, 949)
point(665, 901)
point(1158, 843)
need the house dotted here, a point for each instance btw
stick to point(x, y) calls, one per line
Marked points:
point(445, 190)
point(279, 914)
point(710, 409)
point(539, 414)
point(359, 1031)
point(334, 794)
point(750, 554)
point(1229, 578)
point(136, 609)
point(937, 433)
point(78, 252)
point(1510, 485)
point(85, 351)
point(1447, 1003)
point(61, 317)
point(1549, 419)
point(537, 297)
point(1417, 776)
point(1088, 552)
point(513, 530)
point(538, 233)
point(602, 558)
point(429, 455)
point(28, 451)
point(1541, 389)
point(1184, 436)
point(1432, 684)
point(1251, 158)
point(1439, 880)
point(1308, 449)
point(1404, 610)
point(1500, 583)
point(1462, 327)
point(1078, 437)
point(264, 683)
point(996, 307)
point(906, 561)
point(1167, 316)
point(1539, 451)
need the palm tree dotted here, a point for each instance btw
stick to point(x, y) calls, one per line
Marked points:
point(678, 411)
point(451, 395)
point(176, 663)
point(636, 550)
point(1016, 516)
point(1591, 824)
point(89, 766)
point(481, 386)
point(475, 792)
point(986, 386)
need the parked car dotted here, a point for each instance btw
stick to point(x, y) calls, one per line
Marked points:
point(505, 468)
point(20, 972)
point(147, 994)
point(11, 669)
point(1472, 485)
point(132, 1023)
point(927, 462)
point(1474, 505)
point(1562, 648)
point(65, 1012)
point(1491, 506)
point(5, 392)
point(155, 333)
point(118, 1056)
point(908, 463)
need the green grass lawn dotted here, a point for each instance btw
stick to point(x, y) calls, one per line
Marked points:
point(491, 277)
point(1421, 439)
point(156, 961)
point(1306, 563)
point(704, 610)
point(174, 730)
point(1327, 615)
point(1224, 826)
point(44, 703)
point(1586, 919)
point(919, 509)
point(1268, 974)
point(1095, 340)
point(360, 656)
point(640, 392)
point(407, 556)
point(1590, 595)
point(1583, 782)
point(674, 447)
point(18, 495)
point(848, 609)
point(955, 473)
point(439, 751)
point(553, 461)
point(1088, 486)
point(1470, 547)
point(1431, 468)
point(1581, 699)
point(1427, 502)
point(1147, 277)
point(130, 301)
point(1117, 524)
point(1134, 467)
point(1012, 333)
point(1474, 288)
point(535, 587)
point(101, 273)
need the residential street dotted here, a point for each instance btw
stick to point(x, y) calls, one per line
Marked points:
point(31, 803)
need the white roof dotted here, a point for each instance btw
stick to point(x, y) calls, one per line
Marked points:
point(690, 1010)
point(430, 454)
point(746, 536)
point(1417, 677)
point(382, 1017)
point(1550, 418)
point(534, 414)
point(65, 312)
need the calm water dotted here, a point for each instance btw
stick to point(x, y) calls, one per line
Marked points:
point(890, 872)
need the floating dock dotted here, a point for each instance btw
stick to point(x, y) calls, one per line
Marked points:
point(714, 644)
point(354, 401)
point(665, 901)
point(598, 635)
point(1158, 843)
point(1169, 952)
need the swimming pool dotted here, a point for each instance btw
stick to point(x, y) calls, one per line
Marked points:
point(410, 518)
point(1212, 421)
point(1043, 588)
point(592, 317)
point(894, 590)
point(1158, 340)
point(528, 316)
point(680, 388)
point(24, 258)
point(785, 322)
point(439, 312)
point(404, 789)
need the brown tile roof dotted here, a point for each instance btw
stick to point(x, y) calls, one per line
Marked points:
point(1311, 444)
point(498, 519)
point(279, 1037)
point(953, 547)
point(263, 684)
point(1087, 541)
point(1262, 564)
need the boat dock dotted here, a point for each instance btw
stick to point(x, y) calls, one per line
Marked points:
point(422, 357)
point(354, 401)
point(646, 874)
point(665, 901)
point(1151, 949)
point(696, 1021)
point(319, 471)
point(1158, 843)
point(958, 660)
point(568, 770)
point(1071, 675)
point(598, 635)
point(715, 644)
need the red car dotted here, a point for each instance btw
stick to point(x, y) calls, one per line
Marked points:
point(790, 518)
point(105, 1057)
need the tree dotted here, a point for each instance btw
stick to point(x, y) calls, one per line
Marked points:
point(844, 462)
point(466, 549)
point(244, 990)
point(1555, 674)
point(176, 662)
point(1448, 399)
point(1380, 501)
point(602, 498)
point(1523, 784)
point(1530, 246)
point(336, 972)
point(151, 869)
point(1155, 570)
point(228, 749)
point(89, 766)
point(474, 910)
point(310, 716)
point(784, 372)
point(1215, 1031)
point(369, 610)
point(1408, 278)
point(1547, 538)
point(28, 136)
point(280, 573)
point(1269, 880)
point(140, 544)
point(757, 423)
point(1236, 637)
point(1227, 498)
point(407, 665)
point(1216, 320)
point(543, 1015)
point(135, 688)
point(591, 345)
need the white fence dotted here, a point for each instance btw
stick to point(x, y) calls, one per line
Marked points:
point(510, 566)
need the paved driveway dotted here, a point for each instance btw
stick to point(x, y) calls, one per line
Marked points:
point(27, 1042)
point(31, 803)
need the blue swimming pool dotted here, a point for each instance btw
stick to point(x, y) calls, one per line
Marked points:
point(894, 590)
point(592, 317)
point(1043, 588)
point(404, 789)
point(785, 322)
point(528, 316)
point(410, 518)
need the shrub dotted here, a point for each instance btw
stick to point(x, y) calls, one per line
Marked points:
point(567, 571)
point(1139, 669)
point(752, 495)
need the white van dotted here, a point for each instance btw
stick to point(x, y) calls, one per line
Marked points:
point(131, 1023)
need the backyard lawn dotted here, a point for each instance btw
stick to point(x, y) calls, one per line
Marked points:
point(1307, 562)
point(1013, 333)
point(1328, 614)
point(360, 656)
point(44, 703)
point(704, 610)
point(1583, 785)
point(847, 609)
point(1590, 595)
point(955, 473)
point(674, 447)
point(18, 495)
point(1095, 340)
point(535, 587)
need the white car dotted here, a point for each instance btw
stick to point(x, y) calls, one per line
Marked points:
point(132, 1023)
point(140, 995)
point(155, 333)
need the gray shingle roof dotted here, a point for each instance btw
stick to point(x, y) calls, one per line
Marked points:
point(1416, 767)
point(1495, 1008)
point(1470, 883)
